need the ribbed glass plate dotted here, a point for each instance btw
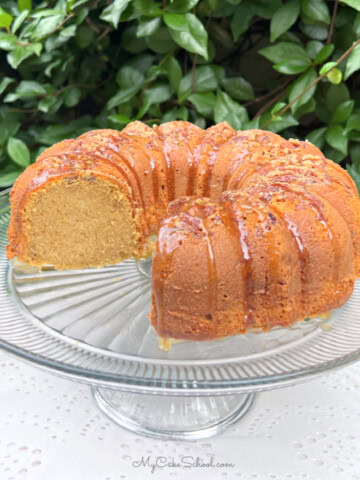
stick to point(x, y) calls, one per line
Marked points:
point(93, 325)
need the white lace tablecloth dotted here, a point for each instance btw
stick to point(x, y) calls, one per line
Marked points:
point(51, 429)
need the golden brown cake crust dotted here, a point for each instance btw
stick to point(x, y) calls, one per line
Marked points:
point(254, 230)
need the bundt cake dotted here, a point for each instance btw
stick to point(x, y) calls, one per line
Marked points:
point(252, 230)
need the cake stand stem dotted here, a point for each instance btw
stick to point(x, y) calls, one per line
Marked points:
point(171, 416)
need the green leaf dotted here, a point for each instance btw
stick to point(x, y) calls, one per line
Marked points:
point(326, 67)
point(141, 62)
point(85, 36)
point(313, 47)
point(30, 88)
point(324, 53)
point(317, 137)
point(5, 19)
point(308, 107)
point(46, 103)
point(355, 174)
point(47, 12)
point(24, 5)
point(161, 41)
point(119, 119)
point(129, 77)
point(241, 19)
point(148, 8)
point(46, 26)
point(181, 113)
point(316, 9)
point(317, 31)
point(335, 138)
point(112, 13)
point(251, 124)
point(277, 107)
point(133, 44)
point(19, 54)
point(356, 26)
point(285, 121)
point(292, 66)
point(18, 152)
point(7, 41)
point(188, 32)
point(354, 136)
point(266, 9)
point(353, 122)
point(282, 51)
point(182, 6)
point(55, 41)
point(204, 103)
point(173, 69)
point(19, 21)
point(153, 73)
point(148, 27)
point(213, 4)
point(353, 62)
point(219, 72)
point(299, 86)
point(26, 89)
point(12, 123)
point(3, 134)
point(355, 154)
point(343, 112)
point(5, 82)
point(51, 66)
point(352, 3)
point(238, 88)
point(335, 76)
point(283, 19)
point(122, 96)
point(7, 178)
point(228, 110)
point(336, 95)
point(205, 80)
point(58, 132)
point(72, 96)
point(157, 93)
point(333, 154)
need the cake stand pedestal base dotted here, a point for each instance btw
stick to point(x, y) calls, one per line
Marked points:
point(172, 417)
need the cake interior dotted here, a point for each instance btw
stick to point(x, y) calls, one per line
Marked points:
point(77, 222)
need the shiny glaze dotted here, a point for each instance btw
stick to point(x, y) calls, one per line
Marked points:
point(231, 217)
point(190, 219)
point(120, 150)
point(303, 252)
point(318, 207)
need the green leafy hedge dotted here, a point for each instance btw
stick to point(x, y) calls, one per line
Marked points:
point(290, 66)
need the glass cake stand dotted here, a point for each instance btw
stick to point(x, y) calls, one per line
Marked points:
point(92, 326)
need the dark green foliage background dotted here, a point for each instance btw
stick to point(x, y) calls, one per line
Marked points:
point(68, 66)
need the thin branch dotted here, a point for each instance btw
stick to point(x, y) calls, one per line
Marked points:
point(314, 82)
point(58, 26)
point(104, 33)
point(331, 30)
point(168, 55)
point(270, 103)
point(81, 85)
point(193, 73)
point(269, 94)
point(92, 25)
point(23, 110)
